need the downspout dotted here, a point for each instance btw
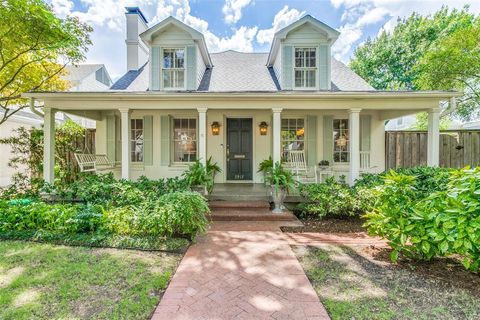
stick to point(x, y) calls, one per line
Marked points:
point(32, 108)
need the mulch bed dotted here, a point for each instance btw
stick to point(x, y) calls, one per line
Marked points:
point(328, 225)
point(446, 270)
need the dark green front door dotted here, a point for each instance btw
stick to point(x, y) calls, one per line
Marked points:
point(239, 149)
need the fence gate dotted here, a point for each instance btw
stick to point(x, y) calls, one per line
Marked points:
point(458, 148)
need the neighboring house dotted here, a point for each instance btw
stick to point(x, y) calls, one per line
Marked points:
point(178, 102)
point(85, 77)
point(402, 123)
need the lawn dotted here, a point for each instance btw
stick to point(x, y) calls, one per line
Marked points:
point(361, 283)
point(44, 281)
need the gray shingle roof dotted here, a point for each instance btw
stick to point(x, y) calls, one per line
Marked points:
point(126, 80)
point(244, 72)
point(77, 73)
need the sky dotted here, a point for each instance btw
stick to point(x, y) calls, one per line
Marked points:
point(243, 25)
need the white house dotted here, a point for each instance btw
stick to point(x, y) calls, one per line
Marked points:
point(178, 102)
point(82, 77)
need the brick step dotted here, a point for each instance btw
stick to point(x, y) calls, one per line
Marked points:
point(237, 197)
point(239, 204)
point(247, 214)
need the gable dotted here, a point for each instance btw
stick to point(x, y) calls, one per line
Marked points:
point(172, 35)
point(306, 33)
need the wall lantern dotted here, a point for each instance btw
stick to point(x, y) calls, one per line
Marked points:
point(263, 128)
point(215, 128)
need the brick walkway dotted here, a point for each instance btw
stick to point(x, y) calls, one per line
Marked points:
point(240, 275)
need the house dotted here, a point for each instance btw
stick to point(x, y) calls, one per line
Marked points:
point(81, 77)
point(178, 102)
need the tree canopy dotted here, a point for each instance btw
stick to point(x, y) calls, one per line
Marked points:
point(35, 47)
point(434, 52)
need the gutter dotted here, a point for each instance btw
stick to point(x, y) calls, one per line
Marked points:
point(32, 108)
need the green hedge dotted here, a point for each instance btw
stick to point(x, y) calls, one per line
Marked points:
point(445, 222)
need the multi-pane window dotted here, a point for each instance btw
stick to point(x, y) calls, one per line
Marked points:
point(173, 68)
point(305, 67)
point(341, 140)
point(184, 140)
point(293, 136)
point(136, 140)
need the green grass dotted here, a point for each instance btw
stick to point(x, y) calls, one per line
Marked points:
point(45, 281)
point(353, 285)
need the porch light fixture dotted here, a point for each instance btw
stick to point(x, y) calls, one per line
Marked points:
point(215, 128)
point(263, 128)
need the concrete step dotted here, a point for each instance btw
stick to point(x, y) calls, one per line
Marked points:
point(249, 214)
point(239, 204)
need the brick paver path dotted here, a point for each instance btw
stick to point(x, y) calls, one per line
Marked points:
point(240, 275)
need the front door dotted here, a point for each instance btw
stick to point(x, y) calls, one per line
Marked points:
point(239, 149)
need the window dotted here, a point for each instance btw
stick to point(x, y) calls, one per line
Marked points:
point(184, 140)
point(305, 67)
point(293, 136)
point(136, 132)
point(173, 68)
point(340, 140)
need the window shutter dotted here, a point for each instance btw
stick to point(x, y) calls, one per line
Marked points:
point(165, 140)
point(155, 65)
point(191, 68)
point(323, 67)
point(312, 140)
point(118, 139)
point(148, 140)
point(111, 142)
point(287, 72)
point(365, 124)
point(328, 138)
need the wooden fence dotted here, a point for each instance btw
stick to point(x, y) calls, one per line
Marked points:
point(458, 148)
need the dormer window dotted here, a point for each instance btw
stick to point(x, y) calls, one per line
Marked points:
point(173, 68)
point(305, 68)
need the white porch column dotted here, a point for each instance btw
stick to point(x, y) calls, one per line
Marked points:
point(276, 134)
point(202, 132)
point(354, 140)
point(125, 137)
point(49, 145)
point(433, 149)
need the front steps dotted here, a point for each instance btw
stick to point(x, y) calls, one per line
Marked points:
point(253, 210)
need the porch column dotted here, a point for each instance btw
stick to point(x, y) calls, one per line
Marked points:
point(202, 132)
point(433, 149)
point(48, 144)
point(354, 140)
point(125, 137)
point(276, 134)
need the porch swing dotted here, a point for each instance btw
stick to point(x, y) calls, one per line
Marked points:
point(89, 162)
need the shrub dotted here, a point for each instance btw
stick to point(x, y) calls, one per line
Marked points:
point(65, 218)
point(177, 213)
point(330, 198)
point(444, 223)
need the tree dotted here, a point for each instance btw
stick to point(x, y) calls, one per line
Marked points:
point(454, 62)
point(35, 47)
point(397, 60)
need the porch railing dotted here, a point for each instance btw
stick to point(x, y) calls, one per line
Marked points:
point(364, 160)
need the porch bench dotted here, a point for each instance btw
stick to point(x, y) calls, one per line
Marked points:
point(93, 162)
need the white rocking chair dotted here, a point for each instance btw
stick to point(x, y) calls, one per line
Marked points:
point(297, 164)
point(93, 162)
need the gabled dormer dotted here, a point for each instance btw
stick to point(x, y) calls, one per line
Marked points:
point(301, 55)
point(178, 55)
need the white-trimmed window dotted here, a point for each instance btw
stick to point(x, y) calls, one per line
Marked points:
point(341, 141)
point(293, 135)
point(184, 139)
point(305, 68)
point(173, 68)
point(136, 140)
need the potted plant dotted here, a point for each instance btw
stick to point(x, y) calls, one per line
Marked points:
point(201, 177)
point(324, 164)
point(282, 182)
point(265, 167)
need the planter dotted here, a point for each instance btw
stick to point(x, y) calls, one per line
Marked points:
point(200, 189)
point(278, 199)
point(323, 168)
